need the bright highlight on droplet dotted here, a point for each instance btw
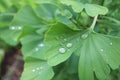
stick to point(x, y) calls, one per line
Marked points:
point(37, 68)
point(65, 39)
point(19, 27)
point(111, 43)
point(62, 50)
point(36, 49)
point(15, 28)
point(12, 28)
point(69, 45)
point(41, 45)
point(84, 36)
point(33, 70)
point(101, 50)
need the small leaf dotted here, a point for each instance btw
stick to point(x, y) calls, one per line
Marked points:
point(96, 51)
point(59, 43)
point(38, 69)
point(76, 5)
point(95, 56)
point(46, 11)
point(11, 34)
point(94, 10)
point(33, 46)
point(26, 16)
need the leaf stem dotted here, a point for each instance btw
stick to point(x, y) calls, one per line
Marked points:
point(94, 22)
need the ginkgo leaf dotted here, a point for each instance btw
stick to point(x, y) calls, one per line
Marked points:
point(76, 5)
point(26, 16)
point(33, 47)
point(11, 34)
point(38, 69)
point(94, 9)
point(60, 44)
point(96, 51)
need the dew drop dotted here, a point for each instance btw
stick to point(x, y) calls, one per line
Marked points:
point(84, 36)
point(37, 68)
point(62, 50)
point(41, 45)
point(36, 49)
point(41, 67)
point(33, 70)
point(12, 28)
point(111, 43)
point(19, 27)
point(65, 39)
point(69, 45)
point(101, 50)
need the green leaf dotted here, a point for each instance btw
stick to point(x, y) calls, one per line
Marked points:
point(72, 64)
point(95, 56)
point(38, 69)
point(96, 51)
point(94, 10)
point(46, 11)
point(26, 16)
point(76, 5)
point(66, 21)
point(33, 46)
point(11, 34)
point(60, 44)
point(5, 19)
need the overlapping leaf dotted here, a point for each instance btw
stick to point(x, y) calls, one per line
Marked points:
point(60, 43)
point(33, 46)
point(94, 10)
point(96, 51)
point(11, 34)
point(76, 5)
point(38, 69)
point(91, 9)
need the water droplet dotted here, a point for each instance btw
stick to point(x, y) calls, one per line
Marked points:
point(36, 49)
point(84, 36)
point(62, 50)
point(19, 27)
point(41, 45)
point(12, 28)
point(69, 45)
point(65, 39)
point(15, 28)
point(33, 70)
point(111, 43)
point(37, 68)
point(101, 50)
point(41, 67)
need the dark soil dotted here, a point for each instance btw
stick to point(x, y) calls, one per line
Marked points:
point(12, 65)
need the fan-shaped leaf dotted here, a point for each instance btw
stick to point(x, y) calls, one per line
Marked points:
point(39, 70)
point(96, 51)
point(94, 9)
point(76, 5)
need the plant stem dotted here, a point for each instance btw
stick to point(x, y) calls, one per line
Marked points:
point(112, 19)
point(94, 22)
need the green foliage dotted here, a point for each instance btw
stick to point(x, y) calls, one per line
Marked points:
point(58, 39)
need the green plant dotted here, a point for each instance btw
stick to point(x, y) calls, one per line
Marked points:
point(74, 36)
